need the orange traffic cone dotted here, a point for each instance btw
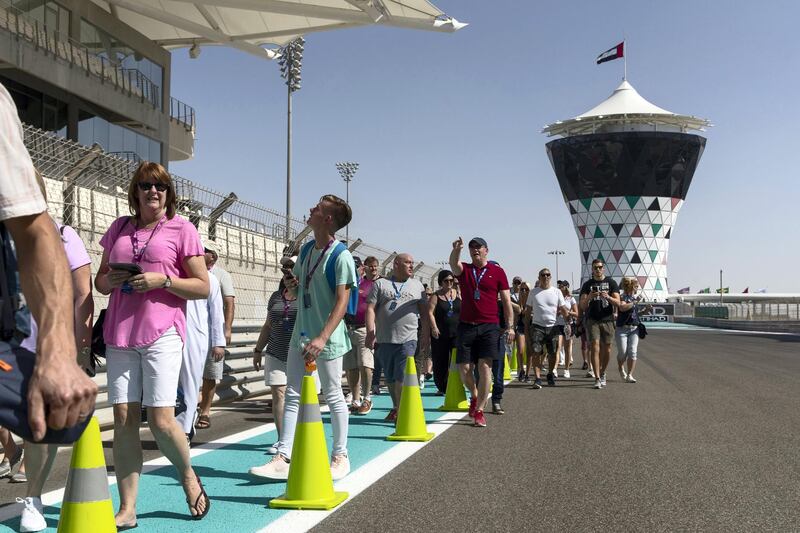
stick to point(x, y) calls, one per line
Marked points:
point(411, 416)
point(87, 502)
point(455, 397)
point(310, 485)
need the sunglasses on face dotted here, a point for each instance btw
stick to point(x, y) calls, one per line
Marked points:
point(598, 267)
point(544, 275)
point(146, 186)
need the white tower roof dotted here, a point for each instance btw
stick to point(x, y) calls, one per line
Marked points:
point(625, 107)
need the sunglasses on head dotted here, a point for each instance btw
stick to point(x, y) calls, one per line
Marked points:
point(146, 186)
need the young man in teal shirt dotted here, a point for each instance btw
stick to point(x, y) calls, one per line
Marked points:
point(320, 314)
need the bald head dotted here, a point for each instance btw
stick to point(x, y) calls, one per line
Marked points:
point(403, 267)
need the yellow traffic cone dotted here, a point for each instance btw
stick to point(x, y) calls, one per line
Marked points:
point(411, 416)
point(506, 371)
point(310, 485)
point(514, 366)
point(87, 502)
point(455, 398)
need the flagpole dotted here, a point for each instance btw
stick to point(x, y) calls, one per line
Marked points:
point(625, 59)
point(720, 286)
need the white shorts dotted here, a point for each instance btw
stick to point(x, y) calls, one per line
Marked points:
point(274, 371)
point(147, 374)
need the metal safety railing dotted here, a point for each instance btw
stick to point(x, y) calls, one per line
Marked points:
point(63, 48)
point(182, 113)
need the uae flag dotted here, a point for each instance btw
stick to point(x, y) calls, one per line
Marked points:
point(612, 53)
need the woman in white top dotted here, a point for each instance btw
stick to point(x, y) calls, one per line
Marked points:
point(566, 325)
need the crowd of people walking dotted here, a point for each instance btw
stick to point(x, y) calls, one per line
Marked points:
point(169, 320)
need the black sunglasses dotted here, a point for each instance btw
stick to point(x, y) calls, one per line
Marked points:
point(544, 275)
point(146, 186)
point(598, 267)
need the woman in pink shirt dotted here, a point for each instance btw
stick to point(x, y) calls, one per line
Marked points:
point(152, 263)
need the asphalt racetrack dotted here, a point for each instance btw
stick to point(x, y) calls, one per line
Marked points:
point(707, 440)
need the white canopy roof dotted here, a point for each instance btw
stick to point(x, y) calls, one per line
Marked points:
point(250, 24)
point(624, 106)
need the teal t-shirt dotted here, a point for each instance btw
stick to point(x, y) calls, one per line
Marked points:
point(312, 320)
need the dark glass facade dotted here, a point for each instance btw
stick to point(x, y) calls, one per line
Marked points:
point(635, 163)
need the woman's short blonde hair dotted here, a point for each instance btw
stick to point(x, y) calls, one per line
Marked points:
point(629, 283)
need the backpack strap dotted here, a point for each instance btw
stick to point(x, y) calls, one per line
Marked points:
point(8, 324)
point(330, 266)
point(304, 250)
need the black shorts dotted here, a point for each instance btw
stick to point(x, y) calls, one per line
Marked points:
point(477, 341)
point(544, 340)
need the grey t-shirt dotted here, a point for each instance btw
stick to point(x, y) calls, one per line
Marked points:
point(398, 325)
point(225, 281)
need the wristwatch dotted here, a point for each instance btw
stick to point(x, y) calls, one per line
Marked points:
point(168, 283)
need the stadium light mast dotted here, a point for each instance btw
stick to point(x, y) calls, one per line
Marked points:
point(347, 170)
point(291, 62)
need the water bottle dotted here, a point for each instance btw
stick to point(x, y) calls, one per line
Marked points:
point(305, 341)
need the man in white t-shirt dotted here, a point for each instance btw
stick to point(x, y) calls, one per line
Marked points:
point(546, 303)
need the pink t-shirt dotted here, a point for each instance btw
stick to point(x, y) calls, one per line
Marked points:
point(76, 257)
point(139, 319)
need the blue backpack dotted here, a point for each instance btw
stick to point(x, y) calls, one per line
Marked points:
point(15, 318)
point(330, 273)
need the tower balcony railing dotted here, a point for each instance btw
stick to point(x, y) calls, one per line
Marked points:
point(65, 49)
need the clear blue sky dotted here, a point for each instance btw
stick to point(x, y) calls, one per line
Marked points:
point(446, 128)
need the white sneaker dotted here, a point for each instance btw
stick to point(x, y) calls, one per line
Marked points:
point(590, 373)
point(630, 379)
point(597, 384)
point(32, 518)
point(623, 374)
point(603, 380)
point(349, 398)
point(422, 381)
point(277, 468)
point(340, 467)
point(566, 374)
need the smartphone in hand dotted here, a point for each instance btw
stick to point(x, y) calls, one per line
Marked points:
point(132, 268)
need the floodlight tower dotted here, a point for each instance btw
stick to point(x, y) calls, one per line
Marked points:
point(624, 168)
point(291, 62)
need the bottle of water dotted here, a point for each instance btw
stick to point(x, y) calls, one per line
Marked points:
point(305, 341)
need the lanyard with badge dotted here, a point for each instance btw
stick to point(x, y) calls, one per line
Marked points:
point(310, 274)
point(287, 305)
point(478, 277)
point(449, 304)
point(397, 294)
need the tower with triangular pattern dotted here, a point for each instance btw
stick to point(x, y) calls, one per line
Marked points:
point(624, 168)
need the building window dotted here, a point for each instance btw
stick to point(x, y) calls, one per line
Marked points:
point(37, 109)
point(46, 12)
point(117, 140)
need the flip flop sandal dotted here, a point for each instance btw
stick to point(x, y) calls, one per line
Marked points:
point(203, 422)
point(201, 495)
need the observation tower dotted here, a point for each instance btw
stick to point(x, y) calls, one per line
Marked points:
point(624, 168)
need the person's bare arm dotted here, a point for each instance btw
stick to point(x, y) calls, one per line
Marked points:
point(612, 298)
point(369, 320)
point(584, 302)
point(317, 344)
point(59, 389)
point(455, 257)
point(83, 305)
point(228, 307)
point(505, 298)
point(625, 306)
point(263, 337)
point(434, 329)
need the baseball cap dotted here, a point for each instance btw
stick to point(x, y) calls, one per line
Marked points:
point(479, 241)
point(516, 279)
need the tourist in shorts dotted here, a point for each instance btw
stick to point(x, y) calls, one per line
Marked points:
point(479, 327)
point(394, 308)
point(599, 299)
point(546, 303)
point(359, 363)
